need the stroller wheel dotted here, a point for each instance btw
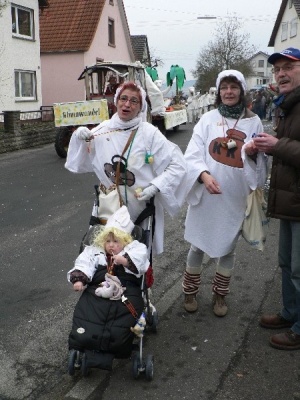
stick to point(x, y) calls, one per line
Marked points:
point(149, 366)
point(84, 367)
point(135, 365)
point(154, 321)
point(71, 362)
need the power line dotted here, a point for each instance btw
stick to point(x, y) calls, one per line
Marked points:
point(149, 24)
point(160, 9)
point(266, 17)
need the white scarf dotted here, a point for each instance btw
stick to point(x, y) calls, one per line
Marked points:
point(117, 123)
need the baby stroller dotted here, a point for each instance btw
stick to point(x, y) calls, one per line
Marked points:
point(101, 328)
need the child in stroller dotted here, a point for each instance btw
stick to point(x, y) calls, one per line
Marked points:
point(110, 310)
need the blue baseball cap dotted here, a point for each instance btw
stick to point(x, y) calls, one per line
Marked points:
point(290, 52)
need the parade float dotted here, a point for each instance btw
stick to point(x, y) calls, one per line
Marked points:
point(101, 81)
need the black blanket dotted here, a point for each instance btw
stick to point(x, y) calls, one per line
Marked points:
point(103, 325)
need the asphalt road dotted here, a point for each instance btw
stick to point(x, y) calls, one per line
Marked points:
point(44, 213)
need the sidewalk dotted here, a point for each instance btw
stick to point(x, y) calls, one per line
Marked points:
point(201, 357)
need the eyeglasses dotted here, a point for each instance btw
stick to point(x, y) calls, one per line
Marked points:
point(284, 68)
point(133, 101)
point(233, 88)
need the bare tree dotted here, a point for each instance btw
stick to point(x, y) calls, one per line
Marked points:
point(155, 60)
point(229, 50)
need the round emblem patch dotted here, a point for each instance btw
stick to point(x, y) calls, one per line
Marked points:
point(80, 330)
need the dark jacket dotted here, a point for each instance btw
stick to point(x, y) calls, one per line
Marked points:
point(284, 194)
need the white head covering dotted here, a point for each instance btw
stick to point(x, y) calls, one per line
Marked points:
point(231, 72)
point(120, 220)
point(143, 94)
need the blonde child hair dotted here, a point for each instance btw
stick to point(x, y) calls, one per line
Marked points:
point(114, 233)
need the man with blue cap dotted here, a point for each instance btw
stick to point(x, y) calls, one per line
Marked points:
point(284, 195)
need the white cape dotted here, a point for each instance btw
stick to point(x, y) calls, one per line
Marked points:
point(167, 171)
point(213, 222)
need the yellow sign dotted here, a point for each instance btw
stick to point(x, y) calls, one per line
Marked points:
point(80, 112)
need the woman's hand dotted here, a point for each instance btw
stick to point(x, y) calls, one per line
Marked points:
point(250, 148)
point(211, 185)
point(147, 193)
point(83, 133)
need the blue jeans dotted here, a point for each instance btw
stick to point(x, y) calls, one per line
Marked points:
point(289, 262)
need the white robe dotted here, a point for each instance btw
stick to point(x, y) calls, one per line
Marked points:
point(167, 171)
point(193, 107)
point(92, 256)
point(213, 221)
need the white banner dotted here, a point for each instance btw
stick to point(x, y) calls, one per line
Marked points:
point(174, 118)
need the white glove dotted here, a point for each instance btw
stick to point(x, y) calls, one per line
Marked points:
point(148, 192)
point(83, 133)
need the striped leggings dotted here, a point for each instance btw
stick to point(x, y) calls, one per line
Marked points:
point(192, 273)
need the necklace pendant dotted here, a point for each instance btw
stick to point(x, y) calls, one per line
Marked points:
point(231, 144)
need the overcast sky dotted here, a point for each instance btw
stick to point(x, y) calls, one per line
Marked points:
point(177, 36)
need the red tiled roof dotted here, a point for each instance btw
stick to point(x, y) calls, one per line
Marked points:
point(69, 25)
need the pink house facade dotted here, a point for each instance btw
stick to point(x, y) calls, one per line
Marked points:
point(76, 34)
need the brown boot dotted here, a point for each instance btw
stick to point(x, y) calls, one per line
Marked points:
point(190, 303)
point(286, 341)
point(274, 321)
point(219, 305)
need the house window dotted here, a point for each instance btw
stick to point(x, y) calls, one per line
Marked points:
point(25, 85)
point(111, 32)
point(294, 23)
point(284, 31)
point(261, 63)
point(22, 21)
point(111, 2)
point(290, 3)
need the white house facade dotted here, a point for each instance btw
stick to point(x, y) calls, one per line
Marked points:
point(20, 64)
point(262, 71)
point(286, 31)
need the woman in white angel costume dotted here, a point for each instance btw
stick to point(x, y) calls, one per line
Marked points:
point(223, 168)
point(150, 162)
